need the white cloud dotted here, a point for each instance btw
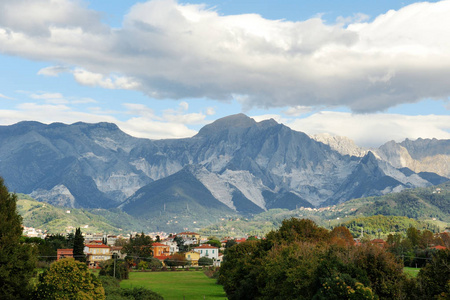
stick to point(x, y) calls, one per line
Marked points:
point(5, 97)
point(373, 130)
point(142, 121)
point(96, 79)
point(298, 110)
point(210, 111)
point(53, 71)
point(172, 50)
point(47, 96)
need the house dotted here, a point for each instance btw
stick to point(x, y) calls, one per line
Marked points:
point(118, 251)
point(193, 257)
point(378, 242)
point(173, 247)
point(160, 249)
point(63, 253)
point(97, 253)
point(219, 260)
point(189, 238)
point(209, 251)
point(439, 247)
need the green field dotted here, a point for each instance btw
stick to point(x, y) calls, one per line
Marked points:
point(188, 285)
point(411, 271)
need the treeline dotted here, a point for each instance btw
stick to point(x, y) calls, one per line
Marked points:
point(416, 249)
point(303, 261)
point(412, 203)
point(381, 226)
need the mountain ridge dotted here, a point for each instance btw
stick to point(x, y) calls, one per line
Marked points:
point(245, 165)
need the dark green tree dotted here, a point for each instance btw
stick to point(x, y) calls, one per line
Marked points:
point(119, 268)
point(78, 246)
point(434, 278)
point(205, 261)
point(17, 260)
point(138, 247)
point(180, 243)
point(215, 243)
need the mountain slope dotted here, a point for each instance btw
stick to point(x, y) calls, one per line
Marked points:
point(234, 164)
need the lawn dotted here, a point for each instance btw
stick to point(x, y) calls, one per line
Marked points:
point(184, 285)
point(411, 271)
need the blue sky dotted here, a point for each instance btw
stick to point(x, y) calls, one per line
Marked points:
point(373, 71)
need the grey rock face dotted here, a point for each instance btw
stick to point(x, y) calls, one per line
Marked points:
point(237, 163)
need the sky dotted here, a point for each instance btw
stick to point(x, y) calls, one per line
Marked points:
point(373, 71)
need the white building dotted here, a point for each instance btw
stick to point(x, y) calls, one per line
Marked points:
point(208, 251)
point(173, 247)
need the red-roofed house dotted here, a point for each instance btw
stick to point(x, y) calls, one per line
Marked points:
point(378, 242)
point(63, 253)
point(97, 253)
point(160, 249)
point(207, 250)
point(439, 247)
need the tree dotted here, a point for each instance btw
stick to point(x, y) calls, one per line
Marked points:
point(215, 243)
point(17, 260)
point(119, 268)
point(138, 248)
point(176, 260)
point(434, 278)
point(78, 246)
point(413, 236)
point(341, 235)
point(180, 243)
point(299, 230)
point(69, 279)
point(205, 261)
point(240, 270)
point(113, 291)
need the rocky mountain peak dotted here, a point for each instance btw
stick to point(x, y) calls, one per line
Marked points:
point(233, 121)
point(341, 144)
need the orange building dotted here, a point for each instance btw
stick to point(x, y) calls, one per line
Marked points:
point(160, 249)
point(63, 253)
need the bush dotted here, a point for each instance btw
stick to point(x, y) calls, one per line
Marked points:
point(205, 261)
point(121, 269)
point(113, 291)
point(69, 279)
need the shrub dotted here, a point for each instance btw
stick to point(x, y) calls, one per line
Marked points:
point(69, 279)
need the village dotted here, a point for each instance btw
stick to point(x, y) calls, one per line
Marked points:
point(175, 249)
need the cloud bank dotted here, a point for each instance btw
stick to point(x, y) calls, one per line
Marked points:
point(171, 50)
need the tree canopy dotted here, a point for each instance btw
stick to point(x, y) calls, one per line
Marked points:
point(69, 279)
point(303, 261)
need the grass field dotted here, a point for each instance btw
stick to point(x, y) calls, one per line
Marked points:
point(411, 271)
point(184, 285)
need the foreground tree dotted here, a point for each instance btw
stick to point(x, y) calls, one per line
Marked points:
point(69, 279)
point(304, 261)
point(434, 278)
point(17, 260)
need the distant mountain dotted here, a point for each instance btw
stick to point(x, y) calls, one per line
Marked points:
point(233, 165)
point(421, 155)
point(419, 204)
point(341, 144)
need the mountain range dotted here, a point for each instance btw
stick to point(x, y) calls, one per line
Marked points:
point(233, 165)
